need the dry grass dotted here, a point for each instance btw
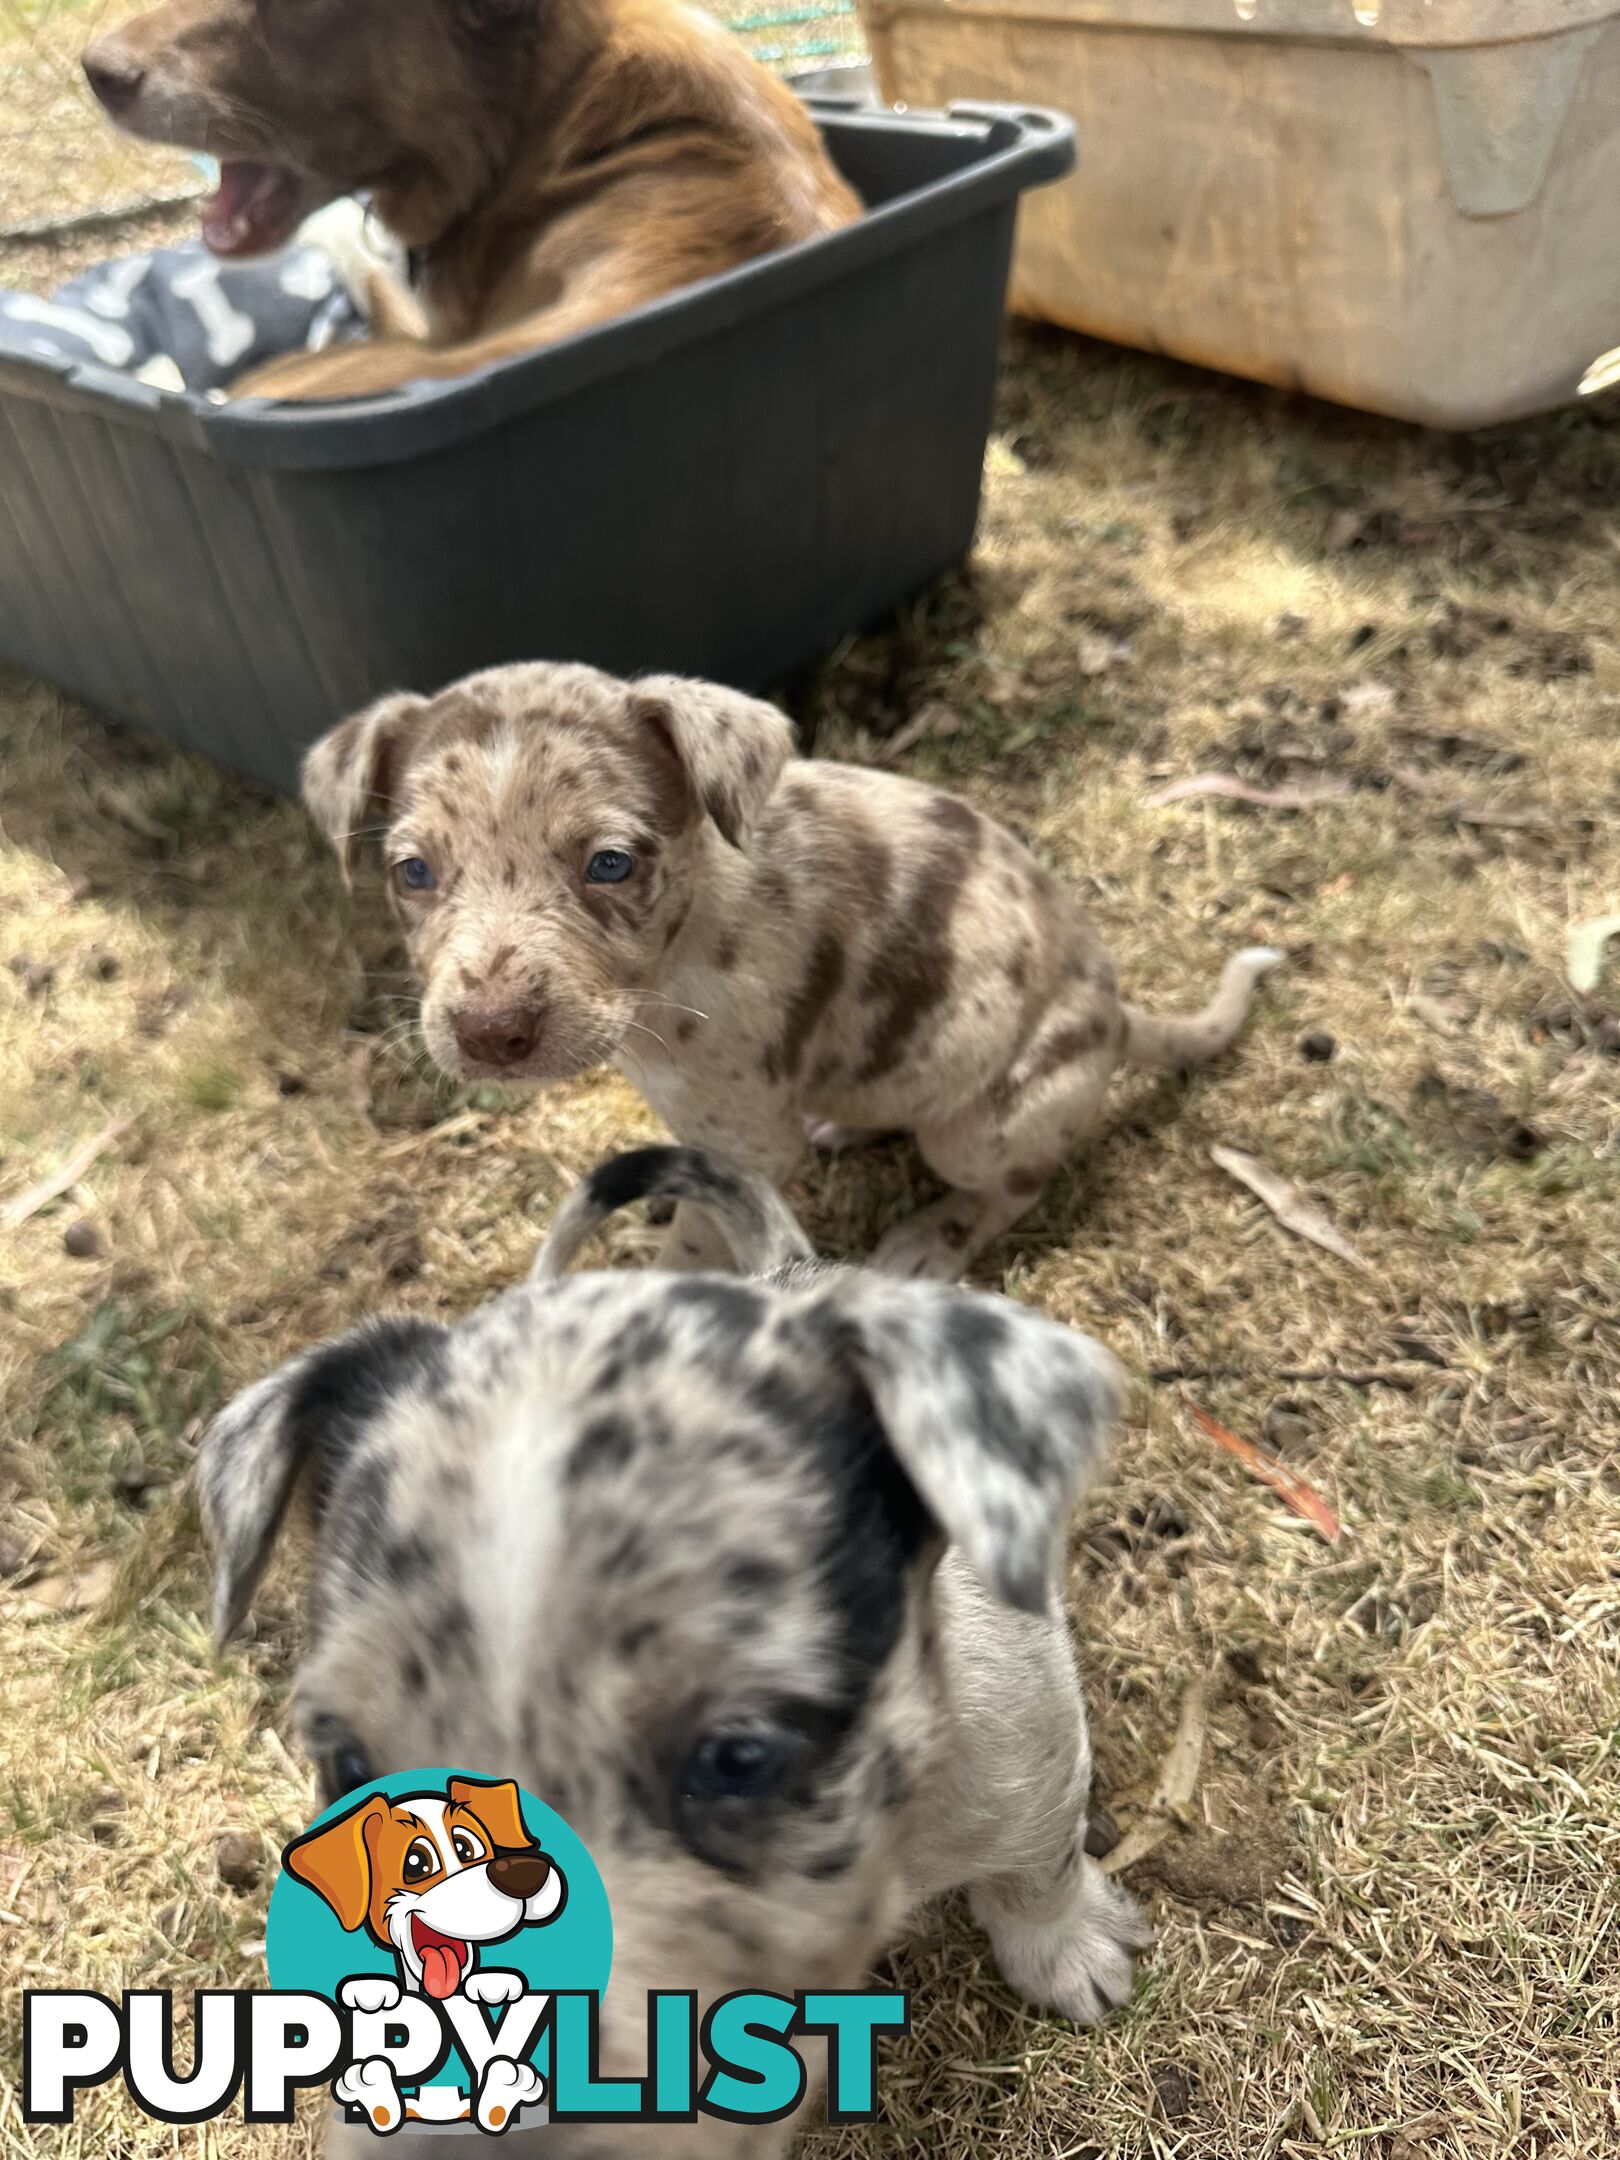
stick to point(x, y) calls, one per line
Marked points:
point(1388, 1922)
point(1390, 1911)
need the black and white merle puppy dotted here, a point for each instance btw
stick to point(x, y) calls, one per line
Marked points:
point(755, 1580)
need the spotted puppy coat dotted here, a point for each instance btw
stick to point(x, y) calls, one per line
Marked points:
point(591, 870)
point(756, 1580)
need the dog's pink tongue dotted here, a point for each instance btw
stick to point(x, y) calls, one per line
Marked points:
point(441, 1969)
point(255, 210)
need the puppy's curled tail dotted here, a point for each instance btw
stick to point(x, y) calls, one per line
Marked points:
point(1166, 1041)
point(755, 1220)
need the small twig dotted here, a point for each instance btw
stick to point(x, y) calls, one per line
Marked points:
point(16, 1212)
point(1383, 1376)
point(464, 1121)
point(359, 1067)
point(1178, 1781)
point(1291, 1489)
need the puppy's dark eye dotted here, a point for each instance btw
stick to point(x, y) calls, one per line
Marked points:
point(739, 1766)
point(467, 1848)
point(341, 1767)
point(609, 866)
point(415, 875)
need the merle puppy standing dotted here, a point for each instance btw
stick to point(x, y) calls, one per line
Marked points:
point(757, 1582)
point(588, 869)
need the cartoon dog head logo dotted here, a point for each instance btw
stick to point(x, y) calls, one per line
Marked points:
point(433, 1877)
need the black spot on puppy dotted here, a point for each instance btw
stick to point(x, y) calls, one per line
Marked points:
point(733, 1310)
point(606, 1445)
point(349, 1383)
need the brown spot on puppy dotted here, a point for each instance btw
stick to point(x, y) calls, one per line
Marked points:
point(816, 990)
point(909, 979)
point(1068, 1044)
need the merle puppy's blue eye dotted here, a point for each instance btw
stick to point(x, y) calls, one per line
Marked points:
point(609, 866)
point(415, 874)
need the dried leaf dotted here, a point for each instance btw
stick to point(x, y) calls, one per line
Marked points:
point(17, 1211)
point(1448, 1014)
point(1418, 782)
point(1301, 795)
point(1287, 1484)
point(935, 720)
point(1583, 951)
point(1097, 653)
point(1363, 699)
point(81, 1590)
point(1510, 818)
point(127, 811)
point(1001, 459)
point(1178, 1781)
point(1413, 2142)
point(1285, 1201)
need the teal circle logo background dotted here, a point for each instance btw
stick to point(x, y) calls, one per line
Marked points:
point(307, 1948)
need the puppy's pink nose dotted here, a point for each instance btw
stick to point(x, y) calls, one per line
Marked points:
point(113, 73)
point(519, 1874)
point(496, 1034)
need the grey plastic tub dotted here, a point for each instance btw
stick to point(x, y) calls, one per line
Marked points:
point(724, 483)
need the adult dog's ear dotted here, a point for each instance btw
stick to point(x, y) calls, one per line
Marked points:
point(307, 1414)
point(335, 1861)
point(498, 1806)
point(730, 747)
point(351, 776)
point(997, 1414)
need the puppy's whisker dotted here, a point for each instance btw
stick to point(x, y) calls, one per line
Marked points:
point(653, 1032)
point(673, 1004)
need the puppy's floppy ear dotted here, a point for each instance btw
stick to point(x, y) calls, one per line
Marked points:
point(351, 775)
point(997, 1414)
point(309, 1411)
point(335, 1861)
point(731, 748)
point(498, 1807)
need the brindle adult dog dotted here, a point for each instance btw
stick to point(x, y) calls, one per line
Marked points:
point(549, 164)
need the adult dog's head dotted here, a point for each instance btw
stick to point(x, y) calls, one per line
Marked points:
point(546, 830)
point(416, 101)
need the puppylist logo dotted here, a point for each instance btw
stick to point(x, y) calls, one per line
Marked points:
point(438, 1948)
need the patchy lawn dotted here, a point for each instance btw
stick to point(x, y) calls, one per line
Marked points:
point(1387, 1921)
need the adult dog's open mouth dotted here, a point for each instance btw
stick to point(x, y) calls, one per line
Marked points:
point(444, 1958)
point(256, 210)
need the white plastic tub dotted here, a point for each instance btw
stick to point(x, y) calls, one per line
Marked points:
point(1412, 206)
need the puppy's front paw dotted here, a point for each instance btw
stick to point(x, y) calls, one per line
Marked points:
point(369, 2086)
point(370, 1991)
point(494, 1987)
point(506, 2086)
point(828, 1138)
point(1082, 1962)
point(930, 1246)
